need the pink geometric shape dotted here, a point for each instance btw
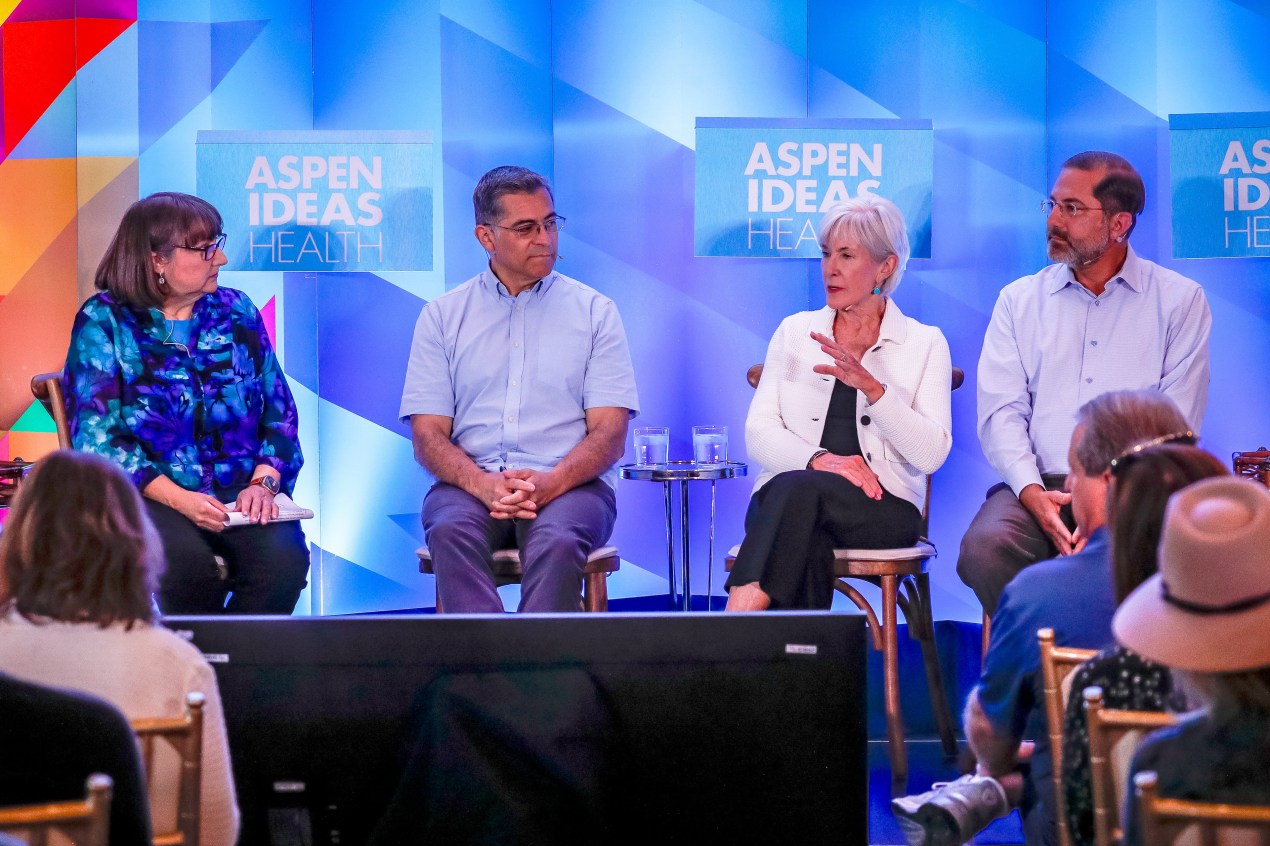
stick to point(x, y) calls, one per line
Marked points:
point(267, 314)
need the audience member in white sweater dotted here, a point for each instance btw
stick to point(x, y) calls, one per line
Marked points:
point(79, 561)
point(852, 413)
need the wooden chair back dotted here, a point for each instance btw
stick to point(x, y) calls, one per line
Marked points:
point(1253, 464)
point(1114, 734)
point(166, 742)
point(1057, 665)
point(47, 388)
point(85, 823)
point(1178, 821)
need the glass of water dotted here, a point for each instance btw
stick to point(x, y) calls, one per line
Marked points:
point(710, 445)
point(652, 446)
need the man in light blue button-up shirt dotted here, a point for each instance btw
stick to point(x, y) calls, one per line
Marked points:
point(518, 392)
point(1101, 319)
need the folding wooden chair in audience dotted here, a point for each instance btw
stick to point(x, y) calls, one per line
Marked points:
point(185, 736)
point(1164, 821)
point(1057, 665)
point(1114, 734)
point(85, 823)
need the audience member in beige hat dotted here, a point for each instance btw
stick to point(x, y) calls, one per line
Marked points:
point(1207, 612)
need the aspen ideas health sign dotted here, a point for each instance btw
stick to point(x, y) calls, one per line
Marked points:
point(321, 200)
point(763, 185)
point(1220, 175)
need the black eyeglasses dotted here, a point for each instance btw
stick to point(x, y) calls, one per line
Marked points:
point(1118, 464)
point(209, 252)
point(525, 230)
point(1066, 208)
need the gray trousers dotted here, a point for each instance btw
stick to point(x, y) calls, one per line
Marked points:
point(1003, 539)
point(554, 546)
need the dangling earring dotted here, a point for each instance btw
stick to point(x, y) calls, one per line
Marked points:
point(163, 283)
point(877, 291)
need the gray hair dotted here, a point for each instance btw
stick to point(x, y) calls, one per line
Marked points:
point(1118, 420)
point(873, 222)
point(507, 179)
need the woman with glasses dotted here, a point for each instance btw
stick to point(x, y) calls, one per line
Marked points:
point(174, 378)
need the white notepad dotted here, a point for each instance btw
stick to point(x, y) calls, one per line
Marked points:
point(287, 510)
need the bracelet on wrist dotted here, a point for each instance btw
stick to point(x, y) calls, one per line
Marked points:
point(814, 456)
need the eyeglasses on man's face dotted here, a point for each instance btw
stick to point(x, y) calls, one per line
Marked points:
point(530, 228)
point(209, 251)
point(1067, 208)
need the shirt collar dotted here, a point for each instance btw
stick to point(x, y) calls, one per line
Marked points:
point(894, 327)
point(491, 283)
point(1130, 273)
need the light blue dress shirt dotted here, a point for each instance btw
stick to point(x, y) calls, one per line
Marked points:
point(517, 374)
point(1052, 346)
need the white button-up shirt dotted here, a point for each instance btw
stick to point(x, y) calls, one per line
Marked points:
point(1052, 346)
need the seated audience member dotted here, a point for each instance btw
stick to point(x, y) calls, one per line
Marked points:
point(846, 442)
point(1142, 480)
point(51, 741)
point(1072, 595)
point(1206, 615)
point(174, 379)
point(80, 560)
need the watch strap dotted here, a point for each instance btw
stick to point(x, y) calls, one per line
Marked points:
point(269, 483)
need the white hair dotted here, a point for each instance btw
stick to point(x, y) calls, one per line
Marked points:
point(873, 222)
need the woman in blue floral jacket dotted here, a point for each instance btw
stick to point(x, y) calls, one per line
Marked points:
point(175, 379)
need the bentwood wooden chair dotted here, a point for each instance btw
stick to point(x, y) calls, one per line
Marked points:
point(1057, 665)
point(166, 744)
point(508, 571)
point(85, 823)
point(904, 579)
point(1165, 821)
point(1113, 736)
point(47, 388)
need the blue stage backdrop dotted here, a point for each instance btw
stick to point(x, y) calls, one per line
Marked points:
point(603, 96)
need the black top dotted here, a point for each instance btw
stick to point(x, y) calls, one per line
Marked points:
point(53, 740)
point(840, 435)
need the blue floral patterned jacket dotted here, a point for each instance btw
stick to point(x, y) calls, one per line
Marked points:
point(205, 419)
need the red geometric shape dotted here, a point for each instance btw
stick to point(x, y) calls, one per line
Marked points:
point(38, 59)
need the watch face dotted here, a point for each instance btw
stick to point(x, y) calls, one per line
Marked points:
point(269, 483)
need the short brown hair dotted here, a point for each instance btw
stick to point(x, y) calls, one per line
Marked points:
point(157, 224)
point(78, 545)
point(1136, 502)
point(1120, 189)
point(1117, 420)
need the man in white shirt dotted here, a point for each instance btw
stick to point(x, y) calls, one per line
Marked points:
point(1100, 319)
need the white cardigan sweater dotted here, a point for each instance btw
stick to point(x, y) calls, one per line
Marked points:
point(144, 672)
point(904, 436)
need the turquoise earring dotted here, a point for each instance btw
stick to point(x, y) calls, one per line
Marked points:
point(877, 290)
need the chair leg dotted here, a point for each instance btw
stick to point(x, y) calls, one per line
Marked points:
point(891, 681)
point(930, 657)
point(595, 592)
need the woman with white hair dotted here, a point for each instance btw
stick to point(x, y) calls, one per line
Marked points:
point(1206, 614)
point(851, 415)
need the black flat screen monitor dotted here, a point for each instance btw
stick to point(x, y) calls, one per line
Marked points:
point(668, 728)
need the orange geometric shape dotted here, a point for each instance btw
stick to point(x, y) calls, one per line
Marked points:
point(31, 446)
point(37, 200)
point(35, 324)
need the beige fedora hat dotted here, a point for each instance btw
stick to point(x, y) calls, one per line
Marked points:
point(1208, 608)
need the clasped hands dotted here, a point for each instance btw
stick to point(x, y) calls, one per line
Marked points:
point(517, 494)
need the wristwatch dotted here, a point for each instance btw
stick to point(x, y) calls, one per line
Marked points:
point(269, 483)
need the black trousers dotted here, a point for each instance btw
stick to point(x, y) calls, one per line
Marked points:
point(795, 522)
point(268, 566)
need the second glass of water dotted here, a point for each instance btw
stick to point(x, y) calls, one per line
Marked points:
point(710, 445)
point(652, 446)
